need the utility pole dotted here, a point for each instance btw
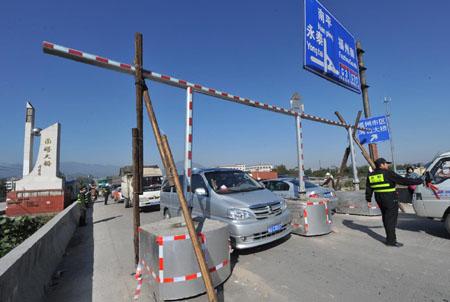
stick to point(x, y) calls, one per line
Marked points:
point(138, 153)
point(373, 150)
point(387, 102)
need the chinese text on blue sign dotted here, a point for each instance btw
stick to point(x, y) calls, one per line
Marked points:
point(376, 130)
point(330, 49)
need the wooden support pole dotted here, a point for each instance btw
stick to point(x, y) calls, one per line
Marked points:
point(355, 139)
point(342, 167)
point(190, 224)
point(139, 83)
point(138, 153)
point(167, 158)
point(136, 218)
point(365, 94)
point(355, 126)
point(156, 131)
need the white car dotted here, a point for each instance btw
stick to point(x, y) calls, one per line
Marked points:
point(150, 196)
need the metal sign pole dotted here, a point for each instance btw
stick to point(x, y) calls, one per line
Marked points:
point(188, 145)
point(298, 107)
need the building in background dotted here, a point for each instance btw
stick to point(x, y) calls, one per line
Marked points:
point(240, 167)
point(260, 168)
point(258, 172)
point(252, 168)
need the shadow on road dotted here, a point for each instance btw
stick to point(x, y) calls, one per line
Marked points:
point(73, 278)
point(107, 219)
point(234, 257)
point(365, 229)
point(413, 223)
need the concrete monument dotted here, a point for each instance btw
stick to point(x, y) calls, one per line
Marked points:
point(41, 190)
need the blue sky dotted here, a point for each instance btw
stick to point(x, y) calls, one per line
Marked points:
point(249, 48)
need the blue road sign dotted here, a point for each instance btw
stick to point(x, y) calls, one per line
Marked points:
point(377, 130)
point(329, 48)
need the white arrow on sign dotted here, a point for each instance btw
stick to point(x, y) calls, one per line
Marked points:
point(373, 137)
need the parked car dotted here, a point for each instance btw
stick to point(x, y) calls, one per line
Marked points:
point(254, 215)
point(288, 188)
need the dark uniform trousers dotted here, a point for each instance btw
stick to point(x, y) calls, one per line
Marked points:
point(388, 204)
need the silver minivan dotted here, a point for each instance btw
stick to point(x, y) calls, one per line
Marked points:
point(254, 215)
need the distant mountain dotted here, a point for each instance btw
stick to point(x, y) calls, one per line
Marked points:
point(70, 169)
point(75, 169)
point(10, 170)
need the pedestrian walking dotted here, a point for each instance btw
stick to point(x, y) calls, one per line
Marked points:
point(82, 201)
point(106, 192)
point(382, 182)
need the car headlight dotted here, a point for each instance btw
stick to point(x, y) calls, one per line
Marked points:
point(238, 214)
point(283, 205)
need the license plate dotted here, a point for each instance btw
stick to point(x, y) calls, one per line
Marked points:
point(274, 228)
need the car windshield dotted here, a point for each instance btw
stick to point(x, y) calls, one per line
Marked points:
point(308, 185)
point(225, 182)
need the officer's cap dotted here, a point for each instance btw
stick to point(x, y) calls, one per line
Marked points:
point(381, 161)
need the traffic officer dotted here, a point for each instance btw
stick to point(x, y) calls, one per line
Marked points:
point(382, 182)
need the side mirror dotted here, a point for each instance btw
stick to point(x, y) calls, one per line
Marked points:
point(201, 192)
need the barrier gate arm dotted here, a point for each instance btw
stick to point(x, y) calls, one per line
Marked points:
point(103, 62)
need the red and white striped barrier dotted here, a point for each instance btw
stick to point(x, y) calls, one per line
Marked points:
point(104, 62)
point(140, 279)
point(144, 271)
point(310, 218)
point(358, 207)
point(188, 141)
point(305, 217)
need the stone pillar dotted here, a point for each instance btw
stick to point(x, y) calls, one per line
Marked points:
point(29, 140)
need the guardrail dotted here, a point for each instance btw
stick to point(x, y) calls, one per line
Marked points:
point(27, 269)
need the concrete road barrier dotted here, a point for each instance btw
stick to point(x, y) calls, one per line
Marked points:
point(26, 271)
point(354, 203)
point(310, 218)
point(168, 263)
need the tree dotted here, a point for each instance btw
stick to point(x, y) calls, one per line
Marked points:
point(281, 169)
point(2, 189)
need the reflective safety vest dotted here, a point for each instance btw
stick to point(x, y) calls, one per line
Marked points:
point(379, 185)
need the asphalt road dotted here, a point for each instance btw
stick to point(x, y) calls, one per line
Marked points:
point(350, 264)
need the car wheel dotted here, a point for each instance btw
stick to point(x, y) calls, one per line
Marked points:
point(166, 214)
point(447, 223)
